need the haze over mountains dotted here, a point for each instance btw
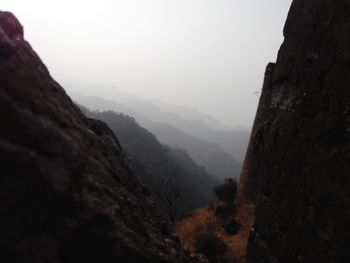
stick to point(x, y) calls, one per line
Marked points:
point(170, 174)
point(210, 155)
point(216, 146)
point(75, 190)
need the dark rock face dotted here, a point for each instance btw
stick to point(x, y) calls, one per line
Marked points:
point(301, 145)
point(248, 187)
point(66, 193)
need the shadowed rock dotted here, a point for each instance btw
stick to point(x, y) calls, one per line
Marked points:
point(299, 159)
point(66, 192)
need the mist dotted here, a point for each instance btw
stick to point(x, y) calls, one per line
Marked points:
point(206, 54)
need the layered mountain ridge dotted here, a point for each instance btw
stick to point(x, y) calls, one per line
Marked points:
point(158, 165)
point(204, 144)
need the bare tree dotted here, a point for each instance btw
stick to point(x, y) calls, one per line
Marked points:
point(168, 192)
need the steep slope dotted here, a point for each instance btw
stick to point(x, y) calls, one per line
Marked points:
point(67, 194)
point(209, 155)
point(300, 146)
point(156, 164)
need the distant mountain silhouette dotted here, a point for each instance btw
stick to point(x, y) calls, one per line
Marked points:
point(210, 155)
point(234, 142)
point(205, 152)
point(112, 92)
point(109, 91)
point(189, 114)
point(201, 125)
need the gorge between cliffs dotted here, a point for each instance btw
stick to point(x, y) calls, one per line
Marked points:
point(97, 180)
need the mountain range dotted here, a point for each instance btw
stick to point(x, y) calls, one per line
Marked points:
point(170, 174)
point(219, 151)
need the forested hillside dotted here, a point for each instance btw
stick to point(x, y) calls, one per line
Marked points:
point(175, 180)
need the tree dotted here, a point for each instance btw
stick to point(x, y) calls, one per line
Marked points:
point(168, 192)
point(227, 191)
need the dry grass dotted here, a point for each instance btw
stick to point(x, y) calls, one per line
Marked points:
point(203, 218)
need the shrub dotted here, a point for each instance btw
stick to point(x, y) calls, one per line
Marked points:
point(232, 227)
point(211, 246)
point(225, 211)
point(227, 191)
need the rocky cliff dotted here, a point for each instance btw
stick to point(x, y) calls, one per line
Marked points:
point(298, 161)
point(248, 187)
point(66, 192)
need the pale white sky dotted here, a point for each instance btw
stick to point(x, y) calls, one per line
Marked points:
point(209, 54)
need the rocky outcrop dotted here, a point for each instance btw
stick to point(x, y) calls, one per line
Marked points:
point(248, 186)
point(300, 148)
point(66, 192)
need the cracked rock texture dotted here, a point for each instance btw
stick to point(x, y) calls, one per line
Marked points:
point(298, 163)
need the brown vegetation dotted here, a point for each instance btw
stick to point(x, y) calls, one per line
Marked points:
point(204, 219)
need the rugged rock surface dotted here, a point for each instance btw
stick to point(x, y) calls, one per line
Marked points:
point(300, 148)
point(248, 187)
point(66, 193)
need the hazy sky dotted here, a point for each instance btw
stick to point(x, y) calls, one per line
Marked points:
point(209, 54)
